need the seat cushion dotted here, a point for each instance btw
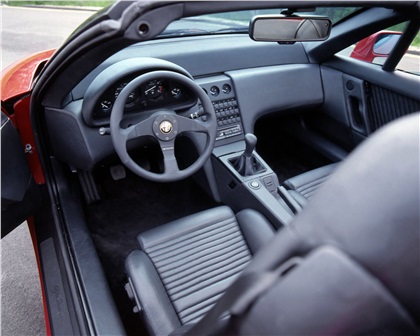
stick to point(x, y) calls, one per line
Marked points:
point(302, 187)
point(191, 261)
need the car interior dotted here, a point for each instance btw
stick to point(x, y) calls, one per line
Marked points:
point(173, 154)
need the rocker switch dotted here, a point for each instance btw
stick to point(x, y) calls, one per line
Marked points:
point(269, 183)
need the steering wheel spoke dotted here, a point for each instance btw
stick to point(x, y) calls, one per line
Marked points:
point(140, 129)
point(192, 125)
point(169, 159)
point(129, 133)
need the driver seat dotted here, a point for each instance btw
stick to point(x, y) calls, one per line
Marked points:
point(348, 264)
point(185, 266)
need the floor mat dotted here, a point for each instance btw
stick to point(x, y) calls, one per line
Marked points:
point(131, 206)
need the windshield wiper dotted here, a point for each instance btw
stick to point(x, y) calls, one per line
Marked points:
point(182, 32)
point(243, 29)
point(188, 32)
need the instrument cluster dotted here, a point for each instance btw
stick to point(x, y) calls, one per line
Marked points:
point(155, 94)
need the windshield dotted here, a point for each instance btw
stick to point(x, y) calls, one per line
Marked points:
point(231, 22)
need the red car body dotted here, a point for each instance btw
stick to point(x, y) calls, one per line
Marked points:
point(17, 79)
point(16, 84)
point(365, 49)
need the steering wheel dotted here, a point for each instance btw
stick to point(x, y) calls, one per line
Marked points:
point(164, 125)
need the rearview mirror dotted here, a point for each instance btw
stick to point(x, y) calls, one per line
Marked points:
point(279, 28)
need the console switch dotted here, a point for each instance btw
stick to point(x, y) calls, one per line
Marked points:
point(269, 183)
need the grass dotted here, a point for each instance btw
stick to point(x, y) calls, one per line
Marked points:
point(416, 41)
point(89, 3)
point(401, 27)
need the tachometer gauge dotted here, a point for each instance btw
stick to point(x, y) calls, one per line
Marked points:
point(176, 92)
point(154, 90)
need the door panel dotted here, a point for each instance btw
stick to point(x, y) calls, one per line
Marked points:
point(20, 196)
point(397, 81)
point(386, 105)
point(360, 98)
point(356, 104)
point(380, 96)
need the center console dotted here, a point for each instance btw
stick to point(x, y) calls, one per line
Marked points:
point(222, 95)
point(258, 191)
point(243, 178)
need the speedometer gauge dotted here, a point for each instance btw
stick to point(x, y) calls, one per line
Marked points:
point(154, 90)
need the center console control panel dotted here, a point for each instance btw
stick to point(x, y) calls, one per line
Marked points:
point(222, 95)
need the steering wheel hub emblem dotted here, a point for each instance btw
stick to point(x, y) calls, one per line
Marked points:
point(165, 127)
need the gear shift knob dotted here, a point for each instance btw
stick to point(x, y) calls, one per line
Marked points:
point(250, 143)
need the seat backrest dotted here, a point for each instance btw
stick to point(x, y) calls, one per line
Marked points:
point(369, 211)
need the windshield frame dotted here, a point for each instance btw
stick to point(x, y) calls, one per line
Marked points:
point(237, 22)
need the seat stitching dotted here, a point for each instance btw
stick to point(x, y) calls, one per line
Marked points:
point(196, 288)
point(225, 251)
point(193, 277)
point(186, 255)
point(153, 249)
point(189, 233)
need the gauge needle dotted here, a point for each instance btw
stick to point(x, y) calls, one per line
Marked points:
point(152, 88)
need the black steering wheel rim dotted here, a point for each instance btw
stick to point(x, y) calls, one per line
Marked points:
point(165, 126)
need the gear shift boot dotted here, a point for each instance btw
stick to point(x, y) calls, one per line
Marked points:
point(247, 164)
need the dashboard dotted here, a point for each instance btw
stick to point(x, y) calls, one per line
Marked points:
point(243, 79)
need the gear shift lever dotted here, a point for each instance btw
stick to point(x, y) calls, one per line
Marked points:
point(247, 164)
point(250, 143)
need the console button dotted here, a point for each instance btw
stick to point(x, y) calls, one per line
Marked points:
point(254, 185)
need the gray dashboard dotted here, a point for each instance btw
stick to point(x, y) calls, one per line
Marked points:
point(244, 80)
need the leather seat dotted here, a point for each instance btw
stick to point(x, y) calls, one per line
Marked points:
point(185, 266)
point(302, 187)
point(348, 264)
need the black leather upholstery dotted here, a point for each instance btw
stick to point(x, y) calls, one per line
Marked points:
point(355, 251)
point(367, 215)
point(186, 265)
point(302, 187)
